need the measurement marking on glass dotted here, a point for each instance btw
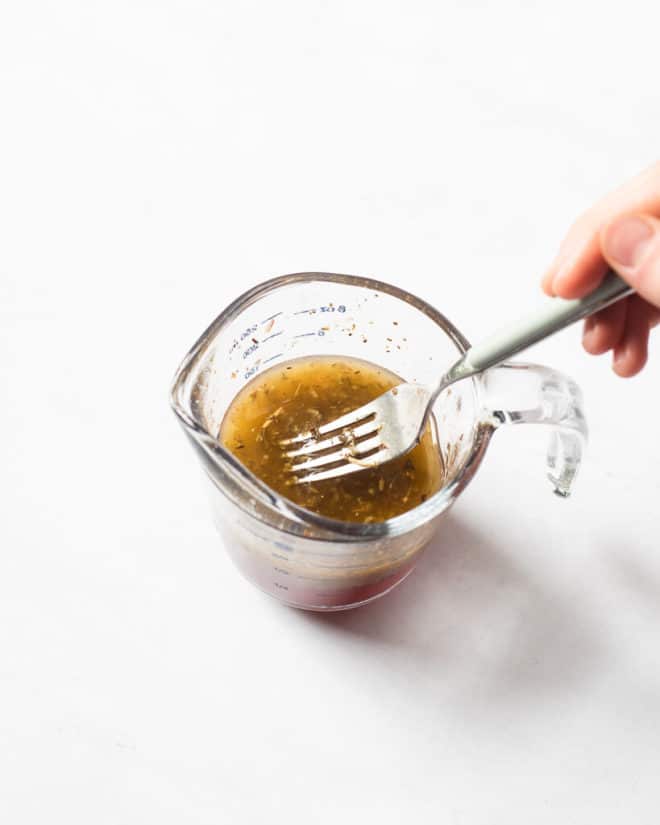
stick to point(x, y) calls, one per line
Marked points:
point(247, 332)
point(283, 546)
point(272, 358)
point(266, 320)
point(279, 570)
point(273, 335)
point(327, 308)
point(305, 335)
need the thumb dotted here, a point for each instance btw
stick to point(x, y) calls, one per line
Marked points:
point(631, 245)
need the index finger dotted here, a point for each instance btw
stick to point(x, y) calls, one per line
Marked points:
point(579, 265)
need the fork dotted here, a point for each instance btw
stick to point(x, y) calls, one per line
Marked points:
point(391, 425)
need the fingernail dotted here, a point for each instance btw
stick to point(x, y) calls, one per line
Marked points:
point(619, 357)
point(559, 277)
point(567, 266)
point(588, 330)
point(626, 241)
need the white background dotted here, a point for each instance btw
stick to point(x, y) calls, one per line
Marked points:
point(156, 159)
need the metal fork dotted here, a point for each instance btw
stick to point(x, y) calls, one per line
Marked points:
point(391, 425)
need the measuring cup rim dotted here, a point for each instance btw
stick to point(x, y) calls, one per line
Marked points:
point(331, 529)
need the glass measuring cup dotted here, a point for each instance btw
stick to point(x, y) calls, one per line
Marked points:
point(307, 560)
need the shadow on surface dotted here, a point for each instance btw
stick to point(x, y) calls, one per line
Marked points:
point(638, 580)
point(469, 609)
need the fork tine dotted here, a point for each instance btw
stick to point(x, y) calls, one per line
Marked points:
point(344, 455)
point(333, 472)
point(349, 464)
point(328, 460)
point(351, 419)
point(342, 440)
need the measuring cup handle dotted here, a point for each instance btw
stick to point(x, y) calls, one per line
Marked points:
point(530, 394)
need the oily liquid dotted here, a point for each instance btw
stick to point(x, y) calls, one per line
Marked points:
point(296, 397)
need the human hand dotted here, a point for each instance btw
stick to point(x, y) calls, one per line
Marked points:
point(622, 232)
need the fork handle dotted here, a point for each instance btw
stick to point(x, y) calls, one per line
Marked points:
point(555, 315)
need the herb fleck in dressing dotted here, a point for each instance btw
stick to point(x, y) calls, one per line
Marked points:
point(298, 396)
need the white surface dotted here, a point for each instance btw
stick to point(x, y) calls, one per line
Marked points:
point(155, 160)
